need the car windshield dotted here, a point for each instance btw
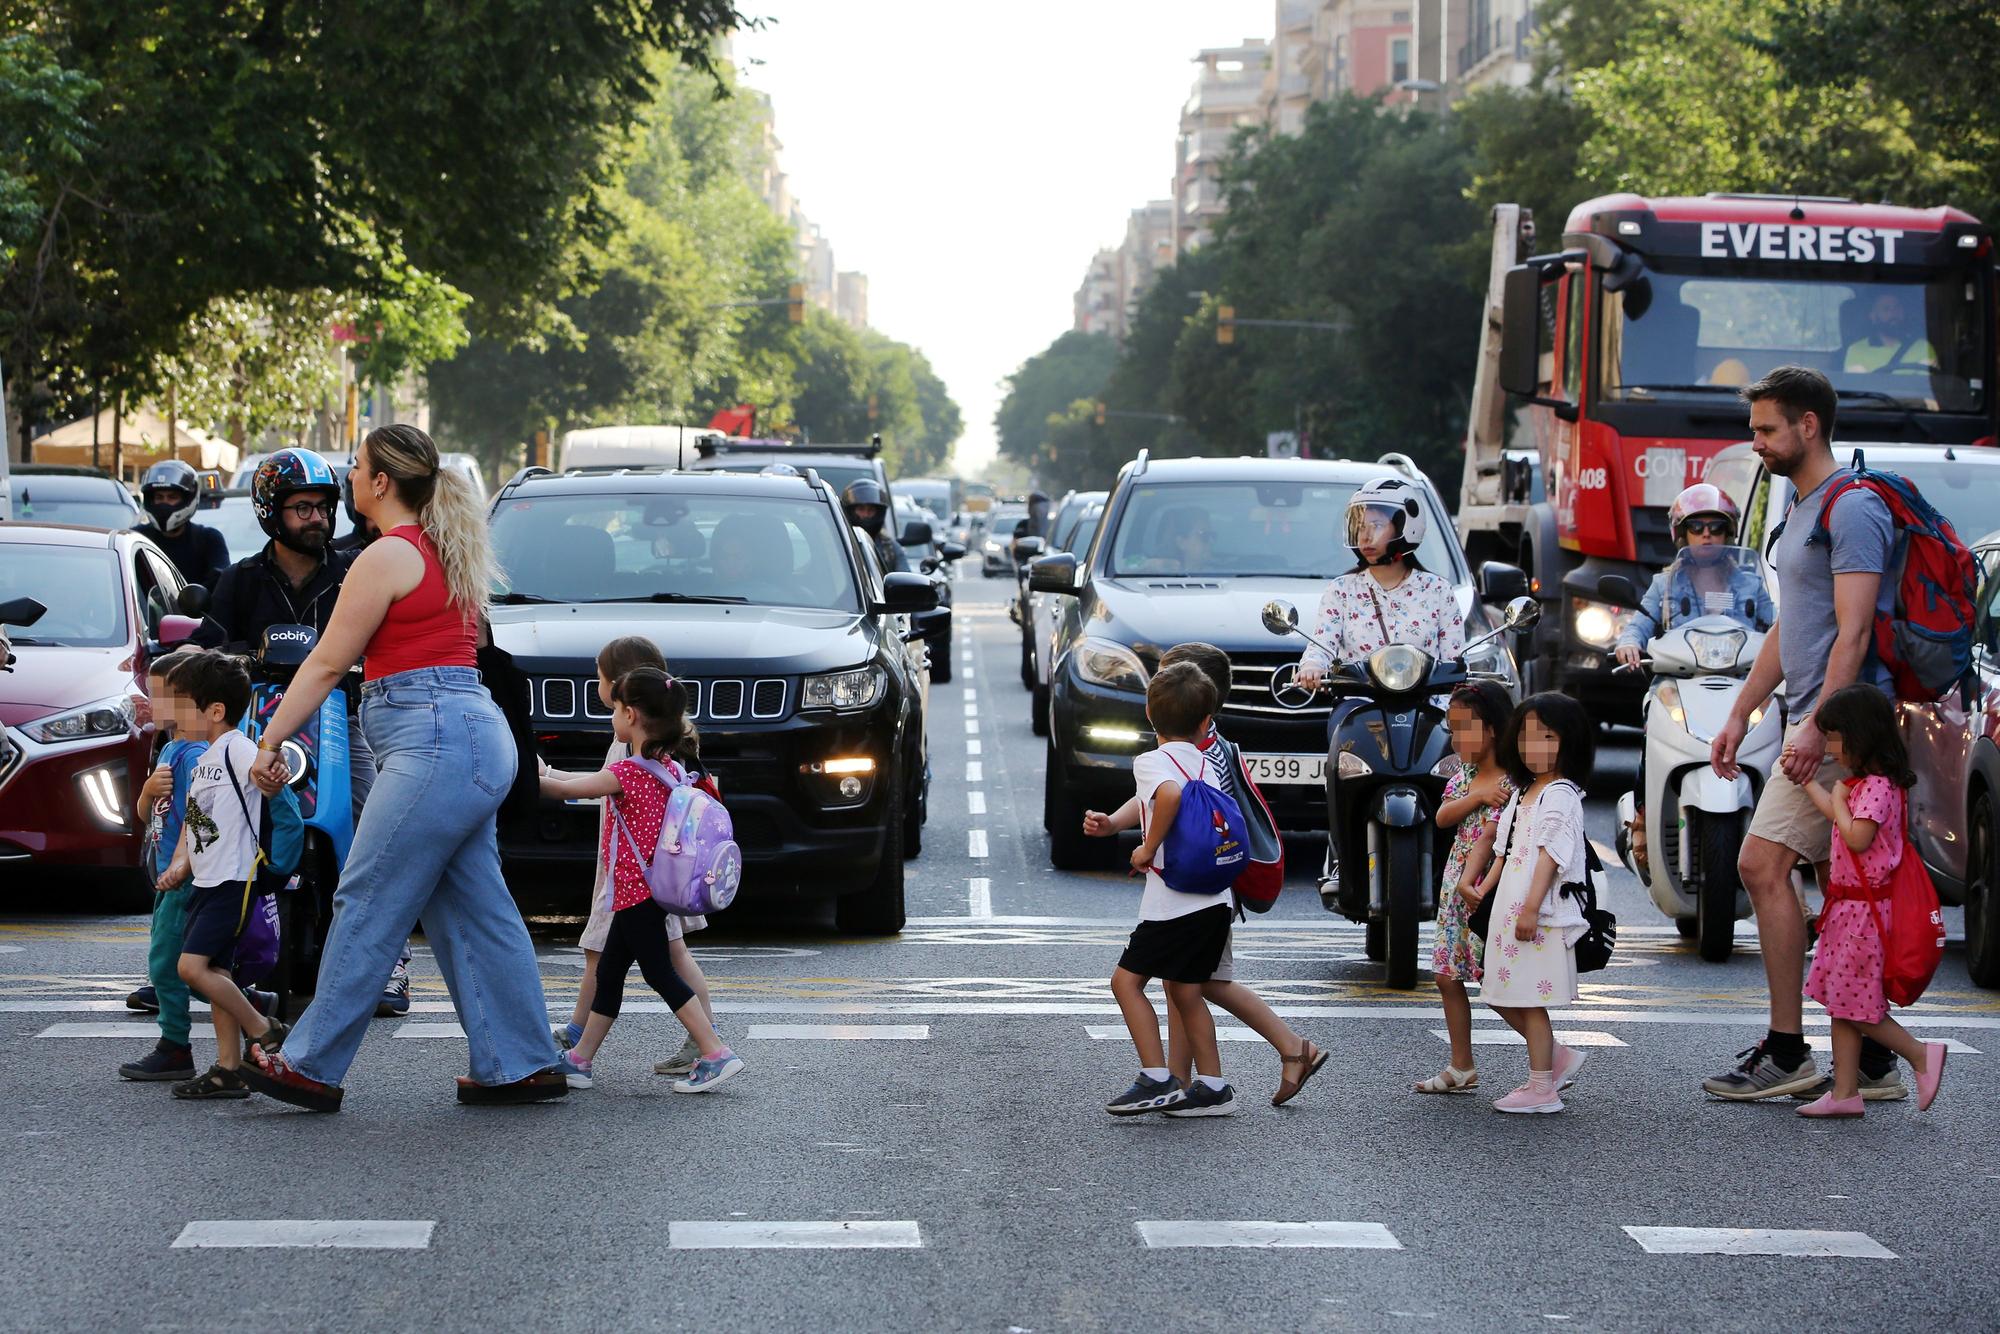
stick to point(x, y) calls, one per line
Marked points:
point(933, 497)
point(80, 587)
point(1294, 530)
point(1003, 525)
point(91, 502)
point(767, 551)
point(1922, 344)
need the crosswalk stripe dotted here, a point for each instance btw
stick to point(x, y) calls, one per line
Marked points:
point(1158, 1233)
point(1759, 1241)
point(1117, 1033)
point(1822, 1042)
point(1507, 1037)
point(129, 1029)
point(312, 1233)
point(843, 1032)
point(431, 1031)
point(838, 1235)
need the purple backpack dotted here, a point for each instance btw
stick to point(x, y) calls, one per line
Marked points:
point(257, 947)
point(696, 867)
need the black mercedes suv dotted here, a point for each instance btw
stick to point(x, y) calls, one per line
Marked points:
point(805, 668)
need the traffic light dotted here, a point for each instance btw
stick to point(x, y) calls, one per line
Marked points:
point(874, 407)
point(795, 304)
point(1225, 325)
point(1100, 412)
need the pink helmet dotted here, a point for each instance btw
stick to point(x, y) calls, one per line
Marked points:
point(1702, 498)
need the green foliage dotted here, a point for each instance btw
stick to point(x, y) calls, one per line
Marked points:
point(1075, 366)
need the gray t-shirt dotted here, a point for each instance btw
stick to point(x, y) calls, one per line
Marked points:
point(1863, 539)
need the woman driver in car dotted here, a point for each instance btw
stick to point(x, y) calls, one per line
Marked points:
point(1387, 598)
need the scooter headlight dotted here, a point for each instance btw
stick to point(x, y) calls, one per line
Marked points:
point(1399, 667)
point(1716, 650)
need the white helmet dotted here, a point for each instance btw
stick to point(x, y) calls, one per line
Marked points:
point(1393, 498)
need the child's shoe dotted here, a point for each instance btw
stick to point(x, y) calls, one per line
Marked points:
point(145, 1000)
point(1933, 1075)
point(566, 1035)
point(682, 1061)
point(1538, 1095)
point(1147, 1095)
point(165, 1061)
point(709, 1071)
point(1201, 1100)
point(215, 1082)
point(1568, 1061)
point(1450, 1080)
point(263, 1002)
point(575, 1071)
point(1832, 1108)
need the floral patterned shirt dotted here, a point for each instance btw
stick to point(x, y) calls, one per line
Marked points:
point(1472, 828)
point(1422, 612)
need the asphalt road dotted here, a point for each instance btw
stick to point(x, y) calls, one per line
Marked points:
point(931, 1105)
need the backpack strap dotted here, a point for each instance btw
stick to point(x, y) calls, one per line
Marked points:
point(256, 838)
point(659, 771)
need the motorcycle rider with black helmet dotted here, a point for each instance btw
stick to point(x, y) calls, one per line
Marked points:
point(171, 492)
point(361, 531)
point(866, 505)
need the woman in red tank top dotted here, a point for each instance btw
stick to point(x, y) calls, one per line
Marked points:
point(410, 610)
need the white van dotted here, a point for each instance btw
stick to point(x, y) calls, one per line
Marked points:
point(632, 447)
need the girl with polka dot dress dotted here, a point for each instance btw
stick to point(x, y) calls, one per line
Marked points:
point(1868, 811)
point(648, 714)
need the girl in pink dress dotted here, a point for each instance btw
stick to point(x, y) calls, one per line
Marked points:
point(1867, 811)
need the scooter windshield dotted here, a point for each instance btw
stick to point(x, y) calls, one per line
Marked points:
point(1717, 581)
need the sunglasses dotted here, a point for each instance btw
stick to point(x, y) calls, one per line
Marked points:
point(1709, 527)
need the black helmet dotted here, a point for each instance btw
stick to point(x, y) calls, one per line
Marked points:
point(278, 479)
point(171, 475)
point(865, 491)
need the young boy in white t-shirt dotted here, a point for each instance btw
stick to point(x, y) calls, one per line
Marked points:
point(219, 840)
point(1180, 937)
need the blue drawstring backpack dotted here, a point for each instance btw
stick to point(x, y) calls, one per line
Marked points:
point(1208, 846)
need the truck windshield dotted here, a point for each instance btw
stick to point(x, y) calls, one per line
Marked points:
point(765, 551)
point(1922, 344)
point(1293, 530)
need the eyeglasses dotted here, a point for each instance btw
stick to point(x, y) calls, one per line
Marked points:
point(1709, 527)
point(305, 509)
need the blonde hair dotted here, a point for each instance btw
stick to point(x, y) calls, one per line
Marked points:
point(447, 507)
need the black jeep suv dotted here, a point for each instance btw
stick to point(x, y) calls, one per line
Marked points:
point(805, 668)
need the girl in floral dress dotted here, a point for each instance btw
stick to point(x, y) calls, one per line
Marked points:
point(1473, 797)
point(1867, 812)
point(1548, 749)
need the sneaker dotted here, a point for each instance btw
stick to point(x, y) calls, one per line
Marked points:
point(566, 1035)
point(1329, 883)
point(1201, 1100)
point(682, 1061)
point(1147, 1095)
point(163, 1062)
point(395, 999)
point(1527, 1099)
point(708, 1073)
point(1885, 1087)
point(145, 1000)
point(1758, 1076)
point(575, 1070)
point(1568, 1061)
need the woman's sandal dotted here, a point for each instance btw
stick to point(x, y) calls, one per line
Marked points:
point(272, 1076)
point(215, 1082)
point(543, 1086)
point(1450, 1080)
point(1308, 1061)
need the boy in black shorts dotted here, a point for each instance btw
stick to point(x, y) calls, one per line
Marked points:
point(219, 842)
point(1180, 937)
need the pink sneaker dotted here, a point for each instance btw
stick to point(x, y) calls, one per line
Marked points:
point(1530, 1099)
point(1933, 1075)
point(1568, 1061)
point(1826, 1105)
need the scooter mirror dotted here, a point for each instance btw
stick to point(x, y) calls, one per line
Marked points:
point(1522, 613)
point(1280, 617)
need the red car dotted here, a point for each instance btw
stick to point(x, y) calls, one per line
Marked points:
point(79, 727)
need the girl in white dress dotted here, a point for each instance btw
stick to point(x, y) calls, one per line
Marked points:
point(1530, 959)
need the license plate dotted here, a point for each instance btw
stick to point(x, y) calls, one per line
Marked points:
point(1287, 768)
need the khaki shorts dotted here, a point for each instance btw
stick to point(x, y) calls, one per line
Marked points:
point(1787, 816)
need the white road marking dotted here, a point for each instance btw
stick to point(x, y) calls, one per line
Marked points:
point(971, 710)
point(975, 771)
point(312, 1233)
point(1244, 1232)
point(972, 747)
point(431, 1031)
point(1117, 1033)
point(975, 802)
point(843, 1032)
point(751, 1234)
point(13, 949)
point(141, 1029)
point(975, 843)
point(970, 694)
point(1822, 1042)
point(971, 726)
point(979, 899)
point(1758, 1241)
point(1507, 1037)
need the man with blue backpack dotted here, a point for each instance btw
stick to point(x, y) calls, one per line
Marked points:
point(1193, 845)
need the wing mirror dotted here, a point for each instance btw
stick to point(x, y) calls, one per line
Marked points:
point(916, 533)
point(1280, 617)
point(1028, 548)
point(1500, 582)
point(1522, 613)
point(193, 601)
point(903, 593)
point(951, 551)
point(1053, 574)
point(178, 629)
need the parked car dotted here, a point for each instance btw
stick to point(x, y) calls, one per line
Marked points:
point(1278, 526)
point(52, 493)
point(1070, 533)
point(804, 666)
point(74, 706)
point(996, 550)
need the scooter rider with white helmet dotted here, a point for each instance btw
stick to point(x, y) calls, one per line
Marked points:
point(1387, 598)
point(171, 493)
point(1702, 516)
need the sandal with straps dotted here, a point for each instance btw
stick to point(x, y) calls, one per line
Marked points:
point(1309, 1060)
point(1450, 1080)
point(215, 1082)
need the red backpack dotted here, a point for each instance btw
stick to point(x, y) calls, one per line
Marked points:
point(1914, 945)
point(1263, 875)
point(1925, 640)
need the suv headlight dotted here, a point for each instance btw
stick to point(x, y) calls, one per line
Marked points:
point(1598, 624)
point(107, 717)
point(1716, 650)
point(1105, 663)
point(842, 690)
point(1399, 667)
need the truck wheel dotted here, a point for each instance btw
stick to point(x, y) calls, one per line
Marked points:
point(1038, 710)
point(1375, 941)
point(1405, 903)
point(878, 909)
point(1982, 898)
point(1718, 840)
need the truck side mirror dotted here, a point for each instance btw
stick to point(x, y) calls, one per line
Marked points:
point(1500, 583)
point(1618, 589)
point(1521, 331)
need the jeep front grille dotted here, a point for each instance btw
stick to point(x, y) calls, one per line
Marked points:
point(559, 699)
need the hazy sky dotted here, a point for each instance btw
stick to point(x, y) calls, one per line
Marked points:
point(970, 158)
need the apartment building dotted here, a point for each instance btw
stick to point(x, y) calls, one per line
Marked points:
point(843, 294)
point(1228, 95)
point(1363, 47)
point(1496, 51)
point(1097, 305)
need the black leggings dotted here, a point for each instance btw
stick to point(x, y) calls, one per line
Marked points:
point(638, 934)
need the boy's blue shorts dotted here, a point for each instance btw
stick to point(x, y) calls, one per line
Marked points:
point(214, 922)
